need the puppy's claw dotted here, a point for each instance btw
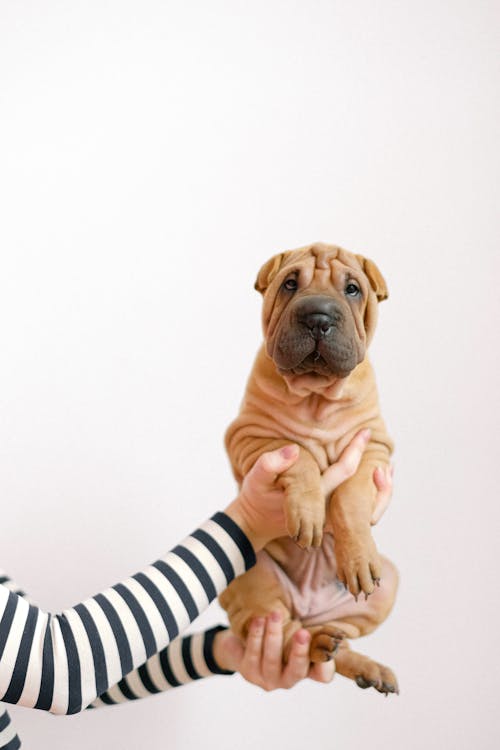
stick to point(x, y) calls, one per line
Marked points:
point(386, 688)
point(363, 684)
point(384, 682)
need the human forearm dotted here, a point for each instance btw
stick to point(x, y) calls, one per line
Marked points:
point(67, 660)
point(9, 739)
point(184, 661)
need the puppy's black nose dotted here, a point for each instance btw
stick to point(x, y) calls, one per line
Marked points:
point(319, 324)
point(319, 314)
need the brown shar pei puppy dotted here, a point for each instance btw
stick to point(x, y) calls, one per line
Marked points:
point(312, 385)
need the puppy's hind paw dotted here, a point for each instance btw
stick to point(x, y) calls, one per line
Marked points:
point(325, 643)
point(379, 677)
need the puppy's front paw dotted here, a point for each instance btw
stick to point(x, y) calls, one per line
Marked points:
point(359, 564)
point(305, 520)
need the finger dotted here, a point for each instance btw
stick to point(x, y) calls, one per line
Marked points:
point(272, 463)
point(383, 481)
point(382, 477)
point(382, 503)
point(252, 658)
point(322, 672)
point(272, 649)
point(347, 463)
point(298, 660)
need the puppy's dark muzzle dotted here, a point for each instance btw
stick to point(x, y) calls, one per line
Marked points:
point(319, 315)
point(316, 335)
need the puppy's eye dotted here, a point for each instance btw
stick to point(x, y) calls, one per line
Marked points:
point(352, 289)
point(291, 284)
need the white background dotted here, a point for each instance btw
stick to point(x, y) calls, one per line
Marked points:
point(153, 156)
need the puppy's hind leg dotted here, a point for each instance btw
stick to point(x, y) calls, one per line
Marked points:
point(257, 593)
point(353, 619)
point(326, 639)
point(364, 671)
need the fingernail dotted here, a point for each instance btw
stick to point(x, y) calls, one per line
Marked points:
point(366, 434)
point(302, 636)
point(275, 616)
point(289, 451)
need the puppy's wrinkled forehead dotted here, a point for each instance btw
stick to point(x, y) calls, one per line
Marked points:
point(306, 260)
point(323, 255)
point(319, 266)
point(330, 260)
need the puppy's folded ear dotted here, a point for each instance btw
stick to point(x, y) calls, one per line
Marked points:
point(268, 272)
point(377, 281)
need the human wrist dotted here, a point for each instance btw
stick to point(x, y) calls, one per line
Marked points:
point(236, 513)
point(216, 652)
point(225, 663)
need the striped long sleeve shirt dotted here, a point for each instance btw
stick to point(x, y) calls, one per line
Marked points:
point(183, 661)
point(65, 662)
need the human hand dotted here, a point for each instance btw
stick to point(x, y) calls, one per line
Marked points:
point(259, 508)
point(260, 660)
point(347, 465)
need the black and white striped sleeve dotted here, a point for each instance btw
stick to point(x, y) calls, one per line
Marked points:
point(180, 663)
point(9, 739)
point(183, 661)
point(62, 663)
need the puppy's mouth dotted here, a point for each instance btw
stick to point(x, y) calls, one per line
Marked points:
point(321, 359)
point(313, 363)
point(316, 364)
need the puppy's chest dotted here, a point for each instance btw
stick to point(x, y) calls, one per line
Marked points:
point(323, 430)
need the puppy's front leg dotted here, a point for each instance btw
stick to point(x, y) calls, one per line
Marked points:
point(351, 508)
point(305, 506)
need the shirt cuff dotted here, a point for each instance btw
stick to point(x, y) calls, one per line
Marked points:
point(238, 536)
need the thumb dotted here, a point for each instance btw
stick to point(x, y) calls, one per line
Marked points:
point(347, 463)
point(272, 463)
point(322, 672)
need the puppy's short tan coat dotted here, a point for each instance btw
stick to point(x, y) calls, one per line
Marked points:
point(312, 384)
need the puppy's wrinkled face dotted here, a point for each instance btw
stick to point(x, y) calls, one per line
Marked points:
point(319, 310)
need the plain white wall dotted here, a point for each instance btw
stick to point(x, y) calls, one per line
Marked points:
point(153, 155)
